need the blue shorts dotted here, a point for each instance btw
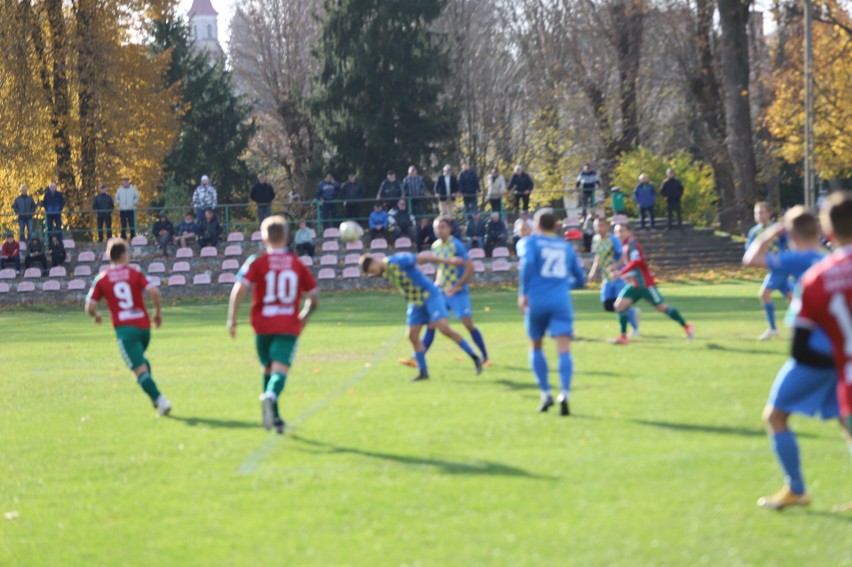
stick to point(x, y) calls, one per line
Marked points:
point(777, 281)
point(611, 289)
point(806, 390)
point(560, 321)
point(433, 309)
point(460, 305)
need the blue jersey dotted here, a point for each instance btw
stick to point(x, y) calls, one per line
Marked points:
point(549, 269)
point(776, 247)
point(794, 264)
point(448, 275)
point(401, 270)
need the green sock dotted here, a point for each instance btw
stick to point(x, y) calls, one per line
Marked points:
point(276, 383)
point(623, 320)
point(147, 383)
point(674, 314)
point(266, 378)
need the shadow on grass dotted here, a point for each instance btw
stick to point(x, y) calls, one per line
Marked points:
point(830, 514)
point(218, 423)
point(488, 468)
point(582, 372)
point(717, 346)
point(719, 429)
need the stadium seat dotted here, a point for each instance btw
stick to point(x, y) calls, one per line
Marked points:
point(201, 279)
point(103, 268)
point(209, 252)
point(184, 253)
point(331, 233)
point(177, 280)
point(82, 271)
point(85, 257)
point(58, 272)
point(226, 278)
point(156, 268)
point(500, 266)
point(356, 245)
point(7, 274)
point(351, 259)
point(619, 219)
point(25, 287)
point(478, 266)
point(32, 273)
point(139, 240)
point(154, 281)
point(256, 236)
point(403, 242)
point(69, 244)
point(500, 252)
point(476, 253)
point(236, 237)
point(136, 266)
point(330, 246)
point(4, 288)
point(51, 285)
point(326, 274)
point(180, 267)
point(378, 244)
point(328, 260)
point(231, 264)
point(571, 221)
point(306, 260)
point(351, 272)
point(76, 285)
point(427, 269)
point(233, 250)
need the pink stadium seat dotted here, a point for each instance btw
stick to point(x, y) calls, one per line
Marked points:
point(619, 219)
point(7, 274)
point(201, 279)
point(351, 259)
point(226, 278)
point(356, 245)
point(478, 266)
point(500, 252)
point(328, 260)
point(76, 285)
point(427, 269)
point(103, 268)
point(256, 236)
point(500, 266)
point(180, 267)
point(236, 237)
point(233, 250)
point(184, 253)
point(403, 242)
point(571, 221)
point(136, 267)
point(25, 287)
point(32, 273)
point(50, 285)
point(351, 272)
point(156, 268)
point(82, 271)
point(177, 280)
point(230, 264)
point(154, 281)
point(331, 233)
point(69, 244)
point(58, 272)
point(209, 252)
point(4, 288)
point(139, 240)
point(326, 274)
point(306, 260)
point(378, 244)
point(87, 256)
point(476, 253)
point(330, 246)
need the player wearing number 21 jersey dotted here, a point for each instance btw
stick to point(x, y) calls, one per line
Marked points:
point(122, 287)
point(278, 281)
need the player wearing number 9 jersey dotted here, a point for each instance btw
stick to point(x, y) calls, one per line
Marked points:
point(122, 287)
point(549, 268)
point(279, 281)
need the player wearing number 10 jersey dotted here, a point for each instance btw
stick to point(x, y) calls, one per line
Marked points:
point(279, 280)
point(122, 288)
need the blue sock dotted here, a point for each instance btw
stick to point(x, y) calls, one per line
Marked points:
point(634, 321)
point(566, 371)
point(428, 338)
point(465, 346)
point(787, 451)
point(770, 314)
point(480, 342)
point(539, 367)
point(421, 362)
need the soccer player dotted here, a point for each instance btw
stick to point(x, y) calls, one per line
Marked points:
point(426, 304)
point(641, 285)
point(549, 268)
point(123, 287)
point(607, 250)
point(452, 280)
point(278, 281)
point(807, 388)
point(773, 281)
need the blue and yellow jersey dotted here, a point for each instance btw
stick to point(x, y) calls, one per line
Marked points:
point(608, 251)
point(778, 245)
point(448, 276)
point(401, 270)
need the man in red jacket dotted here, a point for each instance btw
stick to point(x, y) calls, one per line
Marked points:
point(10, 253)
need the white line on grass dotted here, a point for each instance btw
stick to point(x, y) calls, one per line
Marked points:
point(253, 461)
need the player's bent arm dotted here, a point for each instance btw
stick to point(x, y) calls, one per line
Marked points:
point(579, 275)
point(467, 274)
point(154, 294)
point(311, 305)
point(238, 293)
point(803, 353)
point(755, 255)
point(593, 271)
point(91, 310)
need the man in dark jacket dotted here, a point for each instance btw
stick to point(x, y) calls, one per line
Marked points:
point(262, 193)
point(56, 248)
point(425, 234)
point(103, 205)
point(390, 191)
point(672, 190)
point(401, 222)
point(414, 188)
point(163, 231)
point(496, 234)
point(210, 229)
point(587, 182)
point(446, 189)
point(352, 192)
point(521, 185)
point(327, 196)
point(24, 206)
point(469, 187)
point(53, 204)
point(35, 254)
point(475, 232)
point(187, 231)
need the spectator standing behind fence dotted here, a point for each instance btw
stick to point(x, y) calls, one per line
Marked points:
point(103, 205)
point(35, 254)
point(521, 185)
point(53, 203)
point(262, 193)
point(523, 227)
point(304, 240)
point(353, 193)
point(204, 197)
point(425, 234)
point(618, 207)
point(587, 182)
point(390, 191)
point(475, 231)
point(446, 189)
point(186, 231)
point(414, 188)
point(56, 249)
point(496, 234)
point(210, 230)
point(24, 206)
point(126, 198)
point(10, 253)
point(672, 190)
point(378, 221)
point(327, 191)
point(496, 190)
point(163, 231)
point(401, 222)
point(645, 197)
point(469, 187)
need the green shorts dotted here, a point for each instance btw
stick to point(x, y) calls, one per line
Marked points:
point(649, 294)
point(276, 348)
point(132, 342)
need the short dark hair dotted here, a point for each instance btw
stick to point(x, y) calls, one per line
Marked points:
point(801, 222)
point(116, 248)
point(546, 220)
point(274, 229)
point(837, 214)
point(445, 220)
point(365, 261)
point(391, 172)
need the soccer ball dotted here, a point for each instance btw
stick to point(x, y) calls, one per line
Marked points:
point(350, 231)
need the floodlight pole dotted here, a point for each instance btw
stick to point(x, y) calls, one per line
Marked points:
point(810, 174)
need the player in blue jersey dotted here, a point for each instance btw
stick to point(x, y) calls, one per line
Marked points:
point(807, 386)
point(426, 304)
point(607, 249)
point(774, 280)
point(549, 269)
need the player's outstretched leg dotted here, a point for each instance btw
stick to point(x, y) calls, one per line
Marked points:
point(623, 304)
point(538, 364)
point(428, 339)
point(633, 318)
point(419, 352)
point(675, 316)
point(443, 326)
point(477, 339)
point(786, 449)
point(566, 372)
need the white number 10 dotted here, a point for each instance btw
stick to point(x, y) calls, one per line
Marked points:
point(286, 288)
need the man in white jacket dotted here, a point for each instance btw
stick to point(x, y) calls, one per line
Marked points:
point(126, 198)
point(204, 198)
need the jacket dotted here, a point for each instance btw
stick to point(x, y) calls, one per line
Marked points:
point(184, 226)
point(469, 183)
point(304, 236)
point(521, 183)
point(126, 198)
point(210, 230)
point(35, 247)
point(160, 226)
point(57, 252)
point(262, 193)
point(672, 190)
point(327, 190)
point(475, 228)
point(644, 195)
point(390, 190)
point(442, 191)
point(24, 206)
point(413, 186)
point(403, 219)
point(53, 202)
point(496, 230)
point(588, 180)
point(204, 197)
point(378, 219)
point(10, 250)
point(351, 191)
point(496, 187)
point(103, 203)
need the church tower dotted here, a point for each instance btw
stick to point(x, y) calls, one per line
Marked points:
point(204, 28)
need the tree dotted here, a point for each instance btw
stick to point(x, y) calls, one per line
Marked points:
point(378, 100)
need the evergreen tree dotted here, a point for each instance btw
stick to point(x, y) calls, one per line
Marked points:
point(378, 101)
point(214, 126)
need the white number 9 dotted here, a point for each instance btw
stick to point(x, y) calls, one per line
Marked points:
point(124, 295)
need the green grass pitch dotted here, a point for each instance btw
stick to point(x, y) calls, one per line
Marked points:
point(660, 465)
